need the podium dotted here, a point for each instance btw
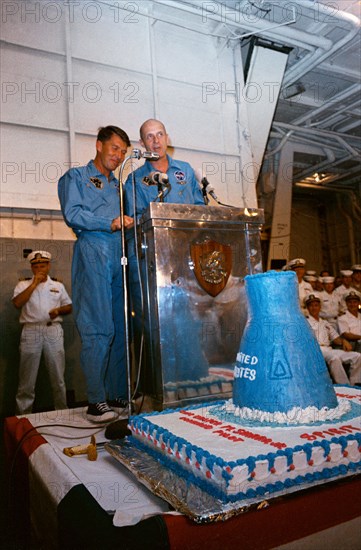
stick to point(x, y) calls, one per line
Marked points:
point(194, 260)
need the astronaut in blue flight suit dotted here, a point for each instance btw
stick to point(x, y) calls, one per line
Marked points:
point(89, 198)
point(183, 188)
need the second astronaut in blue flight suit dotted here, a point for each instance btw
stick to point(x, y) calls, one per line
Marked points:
point(183, 188)
point(89, 198)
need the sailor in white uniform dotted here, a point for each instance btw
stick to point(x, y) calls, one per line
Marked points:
point(298, 265)
point(340, 291)
point(349, 324)
point(42, 301)
point(356, 277)
point(330, 301)
point(327, 336)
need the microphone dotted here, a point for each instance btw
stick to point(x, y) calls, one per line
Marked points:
point(137, 154)
point(156, 178)
point(202, 183)
point(207, 188)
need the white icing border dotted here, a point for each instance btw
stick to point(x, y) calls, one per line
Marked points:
point(294, 416)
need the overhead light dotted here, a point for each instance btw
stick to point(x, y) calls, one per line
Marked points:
point(318, 177)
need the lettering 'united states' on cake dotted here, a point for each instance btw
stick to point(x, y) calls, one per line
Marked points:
point(239, 460)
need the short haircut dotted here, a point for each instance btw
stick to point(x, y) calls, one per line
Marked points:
point(104, 134)
point(141, 129)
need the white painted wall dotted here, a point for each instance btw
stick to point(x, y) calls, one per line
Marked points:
point(68, 69)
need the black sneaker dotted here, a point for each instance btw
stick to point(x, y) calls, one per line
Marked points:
point(100, 412)
point(119, 405)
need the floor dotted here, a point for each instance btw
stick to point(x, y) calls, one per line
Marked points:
point(346, 536)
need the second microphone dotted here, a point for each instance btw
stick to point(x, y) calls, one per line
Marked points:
point(156, 178)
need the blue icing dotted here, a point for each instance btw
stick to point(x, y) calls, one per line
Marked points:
point(145, 424)
point(271, 459)
point(260, 491)
point(189, 450)
point(289, 454)
point(327, 447)
point(308, 450)
point(278, 350)
point(226, 475)
point(269, 488)
point(251, 493)
point(251, 463)
point(170, 440)
point(343, 469)
point(343, 442)
point(288, 483)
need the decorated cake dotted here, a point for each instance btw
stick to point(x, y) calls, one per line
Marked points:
point(235, 460)
point(284, 428)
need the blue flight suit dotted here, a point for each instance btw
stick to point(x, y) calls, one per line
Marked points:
point(89, 203)
point(183, 189)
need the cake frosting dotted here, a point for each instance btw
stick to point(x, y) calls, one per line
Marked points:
point(284, 428)
point(294, 416)
point(239, 460)
point(279, 366)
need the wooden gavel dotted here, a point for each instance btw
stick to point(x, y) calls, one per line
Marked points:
point(89, 449)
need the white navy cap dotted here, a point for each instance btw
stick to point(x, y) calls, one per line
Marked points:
point(352, 294)
point(39, 256)
point(346, 273)
point(296, 262)
point(310, 278)
point(328, 279)
point(356, 267)
point(311, 298)
point(310, 273)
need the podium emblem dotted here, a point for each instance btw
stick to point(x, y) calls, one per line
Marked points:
point(212, 265)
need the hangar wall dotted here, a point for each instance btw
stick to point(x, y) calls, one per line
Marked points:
point(68, 71)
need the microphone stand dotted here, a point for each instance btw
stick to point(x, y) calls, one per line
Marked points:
point(124, 262)
point(204, 191)
point(119, 428)
point(160, 192)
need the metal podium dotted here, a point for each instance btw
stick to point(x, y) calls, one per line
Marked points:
point(194, 261)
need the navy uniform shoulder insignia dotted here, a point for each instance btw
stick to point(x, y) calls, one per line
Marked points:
point(56, 279)
point(97, 182)
point(25, 278)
